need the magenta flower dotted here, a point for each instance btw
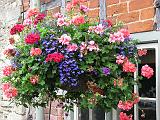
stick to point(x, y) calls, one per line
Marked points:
point(84, 8)
point(120, 59)
point(123, 116)
point(116, 37)
point(99, 29)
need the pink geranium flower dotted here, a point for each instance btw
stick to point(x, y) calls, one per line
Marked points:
point(8, 70)
point(11, 92)
point(147, 71)
point(116, 37)
point(83, 46)
point(120, 59)
point(129, 67)
point(5, 86)
point(61, 22)
point(32, 38)
point(56, 57)
point(65, 39)
point(142, 52)
point(84, 8)
point(78, 20)
point(69, 6)
point(99, 29)
point(72, 47)
point(126, 105)
point(125, 33)
point(35, 51)
point(32, 12)
point(123, 116)
point(27, 22)
point(58, 15)
point(92, 46)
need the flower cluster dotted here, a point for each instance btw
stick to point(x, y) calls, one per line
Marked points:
point(147, 71)
point(16, 29)
point(9, 91)
point(56, 57)
point(32, 38)
point(123, 116)
point(35, 51)
point(8, 70)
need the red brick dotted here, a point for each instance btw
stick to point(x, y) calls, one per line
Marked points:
point(140, 4)
point(111, 2)
point(147, 13)
point(116, 9)
point(45, 1)
point(129, 17)
point(93, 3)
point(123, 0)
point(93, 13)
point(51, 12)
point(140, 26)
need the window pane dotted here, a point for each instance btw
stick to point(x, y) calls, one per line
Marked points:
point(84, 114)
point(147, 87)
point(98, 114)
point(147, 110)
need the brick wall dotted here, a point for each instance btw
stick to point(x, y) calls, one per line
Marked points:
point(136, 14)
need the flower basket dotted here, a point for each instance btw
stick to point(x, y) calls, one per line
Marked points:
point(93, 62)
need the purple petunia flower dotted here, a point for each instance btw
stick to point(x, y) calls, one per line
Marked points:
point(106, 71)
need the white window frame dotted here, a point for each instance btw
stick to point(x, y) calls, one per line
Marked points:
point(147, 46)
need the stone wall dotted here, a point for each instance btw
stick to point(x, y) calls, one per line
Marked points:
point(10, 12)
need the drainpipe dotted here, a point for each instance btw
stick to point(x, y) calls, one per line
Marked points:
point(39, 110)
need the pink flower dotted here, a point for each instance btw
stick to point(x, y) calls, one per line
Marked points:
point(135, 98)
point(32, 12)
point(123, 116)
point(60, 22)
point(11, 92)
point(142, 52)
point(69, 6)
point(116, 37)
point(115, 83)
point(83, 46)
point(75, 2)
point(84, 8)
point(8, 70)
point(56, 57)
point(129, 67)
point(92, 46)
point(99, 29)
point(5, 86)
point(120, 59)
point(35, 51)
point(34, 79)
point(65, 39)
point(27, 22)
point(58, 15)
point(126, 105)
point(78, 20)
point(125, 33)
point(72, 47)
point(147, 71)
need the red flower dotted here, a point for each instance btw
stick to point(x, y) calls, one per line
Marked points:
point(126, 105)
point(32, 38)
point(56, 57)
point(38, 18)
point(125, 32)
point(147, 71)
point(123, 116)
point(5, 86)
point(129, 67)
point(16, 29)
point(78, 20)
